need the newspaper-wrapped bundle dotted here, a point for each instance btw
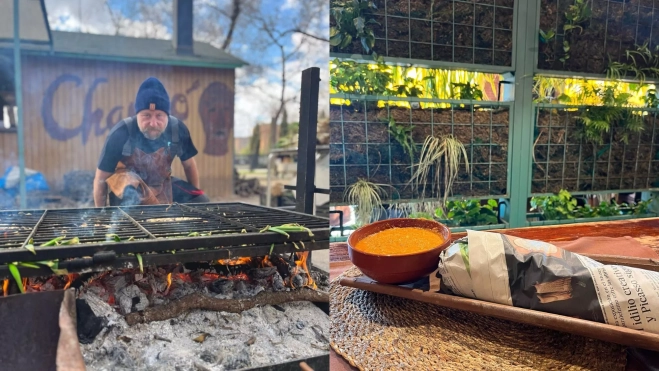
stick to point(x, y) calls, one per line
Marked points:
point(540, 276)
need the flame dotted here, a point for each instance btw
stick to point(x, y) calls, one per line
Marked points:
point(266, 262)
point(5, 287)
point(302, 263)
point(169, 281)
point(235, 261)
point(24, 284)
point(69, 281)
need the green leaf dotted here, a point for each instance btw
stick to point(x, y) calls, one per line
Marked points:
point(346, 41)
point(333, 32)
point(365, 44)
point(359, 24)
point(336, 40)
point(17, 276)
point(491, 219)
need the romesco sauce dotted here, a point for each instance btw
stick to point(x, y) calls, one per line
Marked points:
point(400, 241)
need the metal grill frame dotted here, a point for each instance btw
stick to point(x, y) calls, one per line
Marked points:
point(103, 255)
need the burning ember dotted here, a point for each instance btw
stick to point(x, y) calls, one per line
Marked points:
point(235, 261)
point(40, 284)
point(272, 332)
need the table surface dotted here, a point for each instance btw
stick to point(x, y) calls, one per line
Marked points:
point(646, 231)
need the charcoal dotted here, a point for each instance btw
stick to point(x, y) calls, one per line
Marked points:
point(260, 273)
point(299, 280)
point(240, 286)
point(237, 360)
point(207, 356)
point(121, 358)
point(221, 286)
point(321, 279)
point(132, 299)
point(300, 325)
point(88, 324)
point(278, 282)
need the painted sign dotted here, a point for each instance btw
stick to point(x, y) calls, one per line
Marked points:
point(215, 108)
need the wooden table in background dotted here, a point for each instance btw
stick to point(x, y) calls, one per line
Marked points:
point(646, 231)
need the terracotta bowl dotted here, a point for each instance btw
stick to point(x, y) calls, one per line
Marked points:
point(397, 269)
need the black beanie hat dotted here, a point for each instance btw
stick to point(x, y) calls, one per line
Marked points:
point(151, 92)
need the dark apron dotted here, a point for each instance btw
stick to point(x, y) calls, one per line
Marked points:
point(148, 176)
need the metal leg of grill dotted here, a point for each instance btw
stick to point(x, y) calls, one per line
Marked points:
point(306, 165)
point(306, 158)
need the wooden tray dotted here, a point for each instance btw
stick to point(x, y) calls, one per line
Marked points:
point(595, 330)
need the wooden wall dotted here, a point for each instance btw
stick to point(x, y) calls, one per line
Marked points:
point(88, 97)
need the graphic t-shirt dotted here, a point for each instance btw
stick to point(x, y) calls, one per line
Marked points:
point(111, 153)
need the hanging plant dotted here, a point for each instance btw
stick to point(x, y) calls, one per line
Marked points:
point(444, 154)
point(367, 197)
point(403, 135)
point(467, 91)
point(642, 56)
point(360, 78)
point(595, 121)
point(353, 19)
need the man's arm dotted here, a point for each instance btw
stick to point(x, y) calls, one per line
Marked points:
point(100, 187)
point(191, 173)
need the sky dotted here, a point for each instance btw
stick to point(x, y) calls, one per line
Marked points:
point(259, 84)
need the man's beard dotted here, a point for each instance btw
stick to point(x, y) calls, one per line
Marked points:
point(152, 134)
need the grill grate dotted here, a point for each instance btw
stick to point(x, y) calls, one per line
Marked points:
point(143, 229)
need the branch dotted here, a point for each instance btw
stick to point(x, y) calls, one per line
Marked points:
point(200, 301)
point(234, 17)
point(298, 30)
point(218, 9)
point(115, 18)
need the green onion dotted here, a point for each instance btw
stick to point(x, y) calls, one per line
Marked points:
point(54, 242)
point(73, 241)
point(272, 247)
point(139, 260)
point(114, 237)
point(30, 247)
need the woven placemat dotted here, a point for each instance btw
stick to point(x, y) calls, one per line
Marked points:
point(381, 332)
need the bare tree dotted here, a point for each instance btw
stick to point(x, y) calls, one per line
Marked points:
point(236, 7)
point(115, 17)
point(277, 31)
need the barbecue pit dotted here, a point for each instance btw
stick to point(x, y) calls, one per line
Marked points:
point(219, 254)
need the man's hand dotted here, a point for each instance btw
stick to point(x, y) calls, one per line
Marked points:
point(190, 168)
point(100, 187)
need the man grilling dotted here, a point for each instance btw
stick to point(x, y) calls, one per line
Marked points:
point(135, 163)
